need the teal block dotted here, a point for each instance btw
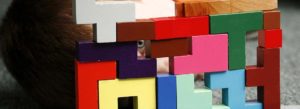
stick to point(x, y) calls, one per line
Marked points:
point(190, 98)
point(233, 88)
point(236, 26)
point(220, 107)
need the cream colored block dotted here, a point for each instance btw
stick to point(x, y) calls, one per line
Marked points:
point(142, 88)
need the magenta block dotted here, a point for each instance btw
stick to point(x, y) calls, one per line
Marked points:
point(209, 54)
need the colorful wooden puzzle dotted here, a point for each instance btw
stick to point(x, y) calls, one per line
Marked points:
point(199, 36)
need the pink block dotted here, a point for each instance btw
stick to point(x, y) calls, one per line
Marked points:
point(209, 54)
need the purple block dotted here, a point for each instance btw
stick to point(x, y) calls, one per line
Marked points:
point(136, 69)
point(90, 51)
point(125, 53)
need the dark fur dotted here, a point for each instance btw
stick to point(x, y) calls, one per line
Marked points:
point(37, 43)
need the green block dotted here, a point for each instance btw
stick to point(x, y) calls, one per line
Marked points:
point(190, 98)
point(236, 26)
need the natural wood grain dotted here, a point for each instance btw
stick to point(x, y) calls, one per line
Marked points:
point(204, 7)
point(179, 8)
point(253, 5)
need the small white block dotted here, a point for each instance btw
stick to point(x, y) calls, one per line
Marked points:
point(104, 15)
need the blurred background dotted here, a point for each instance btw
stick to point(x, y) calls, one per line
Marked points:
point(13, 97)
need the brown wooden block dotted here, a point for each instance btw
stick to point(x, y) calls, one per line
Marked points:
point(204, 7)
point(168, 48)
point(133, 31)
point(253, 5)
point(272, 19)
point(179, 9)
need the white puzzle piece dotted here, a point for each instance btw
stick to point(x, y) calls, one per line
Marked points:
point(104, 15)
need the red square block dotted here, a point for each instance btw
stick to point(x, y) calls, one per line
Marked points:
point(270, 38)
point(87, 77)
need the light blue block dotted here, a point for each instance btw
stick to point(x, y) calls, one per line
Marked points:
point(233, 88)
point(190, 98)
point(166, 92)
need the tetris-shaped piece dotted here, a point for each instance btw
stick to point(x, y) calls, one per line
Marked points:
point(168, 48)
point(233, 88)
point(188, 97)
point(272, 19)
point(270, 38)
point(129, 66)
point(162, 28)
point(209, 54)
point(166, 92)
point(87, 77)
point(190, 8)
point(252, 5)
point(236, 25)
point(133, 31)
point(173, 27)
point(266, 75)
point(90, 12)
point(143, 89)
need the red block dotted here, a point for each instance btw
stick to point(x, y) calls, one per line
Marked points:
point(266, 75)
point(179, 27)
point(163, 28)
point(87, 77)
point(270, 38)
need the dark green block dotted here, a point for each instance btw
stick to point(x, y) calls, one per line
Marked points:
point(236, 25)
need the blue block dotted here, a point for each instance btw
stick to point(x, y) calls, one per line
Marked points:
point(233, 88)
point(166, 92)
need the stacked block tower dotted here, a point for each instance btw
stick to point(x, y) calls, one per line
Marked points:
point(199, 36)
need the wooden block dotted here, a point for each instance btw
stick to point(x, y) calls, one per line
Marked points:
point(190, 98)
point(270, 38)
point(272, 19)
point(179, 9)
point(168, 48)
point(266, 75)
point(166, 92)
point(129, 66)
point(174, 27)
point(236, 25)
point(133, 31)
point(87, 77)
point(253, 5)
point(209, 54)
point(143, 89)
point(90, 12)
point(203, 7)
point(233, 88)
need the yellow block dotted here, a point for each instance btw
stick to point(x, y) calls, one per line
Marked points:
point(144, 89)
